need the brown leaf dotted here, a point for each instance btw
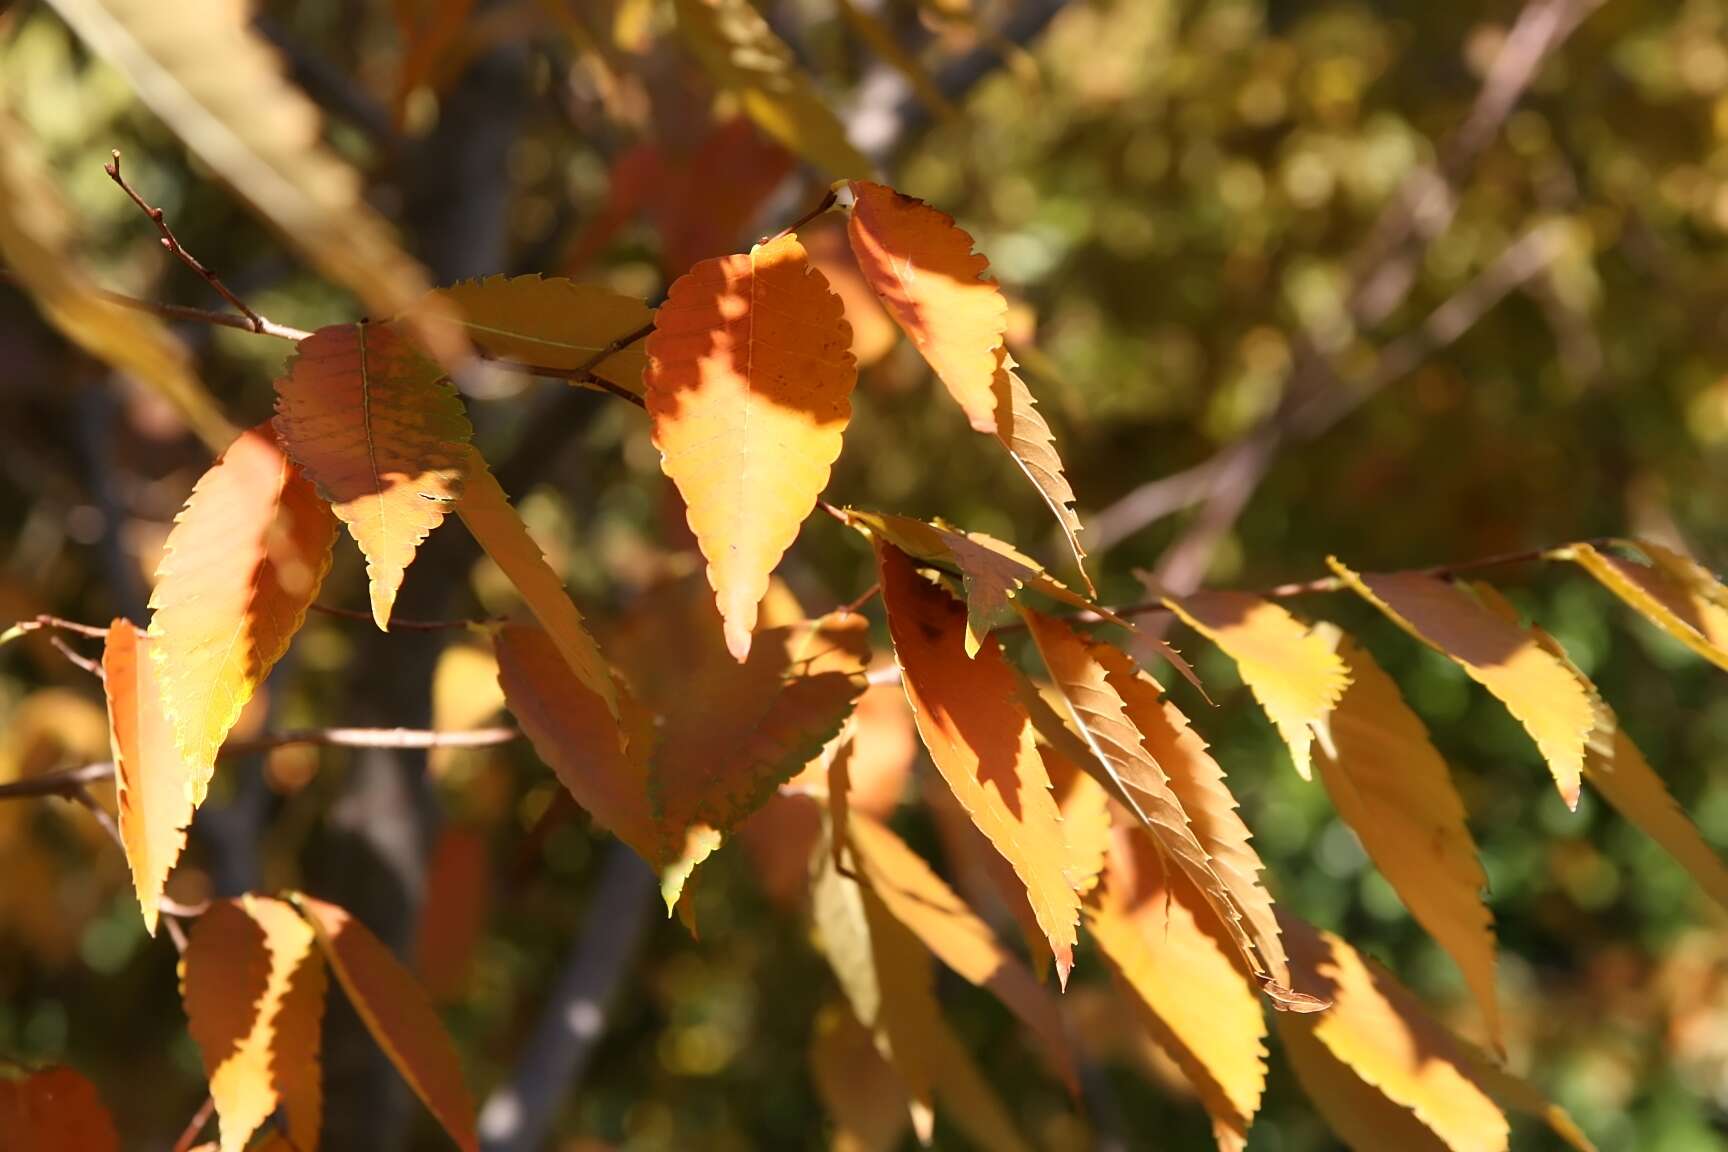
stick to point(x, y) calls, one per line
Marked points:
point(1027, 436)
point(551, 321)
point(54, 1110)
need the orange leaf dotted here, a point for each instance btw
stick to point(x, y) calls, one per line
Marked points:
point(1027, 436)
point(1184, 985)
point(398, 1014)
point(1540, 691)
point(253, 984)
point(704, 208)
point(873, 333)
point(1390, 1045)
point(244, 562)
point(1295, 678)
point(860, 1090)
point(554, 322)
point(970, 718)
point(454, 912)
point(749, 390)
point(490, 519)
point(150, 779)
point(381, 432)
point(922, 266)
point(54, 1110)
point(1199, 784)
point(923, 903)
point(1666, 592)
point(1391, 786)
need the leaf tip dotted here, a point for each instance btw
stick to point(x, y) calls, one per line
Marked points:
point(738, 639)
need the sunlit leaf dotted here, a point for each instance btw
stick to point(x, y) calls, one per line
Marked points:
point(1536, 688)
point(860, 1090)
point(553, 322)
point(749, 390)
point(240, 569)
point(380, 430)
point(253, 982)
point(1027, 436)
point(1658, 593)
point(54, 1110)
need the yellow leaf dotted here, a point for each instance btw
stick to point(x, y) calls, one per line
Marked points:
point(553, 322)
point(1199, 785)
point(1182, 983)
point(992, 572)
point(54, 1110)
point(743, 56)
point(1027, 436)
point(242, 565)
point(1096, 710)
point(219, 86)
point(36, 236)
point(1672, 603)
point(381, 432)
point(1391, 786)
point(396, 1011)
point(1388, 1044)
point(922, 902)
point(151, 782)
point(749, 391)
point(1296, 678)
point(253, 983)
point(860, 1090)
point(1540, 691)
point(922, 266)
point(486, 511)
point(970, 717)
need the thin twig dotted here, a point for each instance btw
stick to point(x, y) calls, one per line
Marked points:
point(175, 248)
point(827, 203)
point(189, 1137)
point(181, 311)
point(94, 667)
point(37, 623)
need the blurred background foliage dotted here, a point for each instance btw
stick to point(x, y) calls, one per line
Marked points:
point(1174, 192)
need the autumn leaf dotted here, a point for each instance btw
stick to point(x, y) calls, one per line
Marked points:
point(737, 170)
point(241, 567)
point(1182, 983)
point(253, 982)
point(1536, 688)
point(499, 530)
point(970, 718)
point(1387, 1046)
point(992, 573)
point(1392, 788)
point(923, 268)
point(553, 322)
point(36, 243)
point(874, 335)
point(921, 901)
point(1296, 678)
point(743, 56)
point(749, 389)
point(219, 86)
point(1199, 785)
point(860, 1090)
point(395, 1009)
point(151, 781)
point(1027, 436)
point(381, 432)
point(1659, 593)
point(453, 916)
point(54, 1110)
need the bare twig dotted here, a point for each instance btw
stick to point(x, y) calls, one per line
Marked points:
point(175, 248)
point(183, 312)
point(94, 667)
point(189, 1136)
point(37, 623)
point(61, 783)
point(827, 203)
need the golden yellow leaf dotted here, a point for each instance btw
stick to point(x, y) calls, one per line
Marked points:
point(1672, 603)
point(253, 982)
point(241, 567)
point(1389, 1044)
point(922, 902)
point(1096, 710)
point(219, 86)
point(1539, 690)
point(743, 56)
point(1027, 436)
point(152, 785)
point(36, 240)
point(490, 519)
point(1199, 785)
point(971, 719)
point(922, 266)
point(380, 430)
point(1184, 985)
point(54, 1110)
point(554, 322)
point(749, 389)
point(1362, 1118)
point(465, 694)
point(1390, 785)
point(993, 573)
point(396, 1011)
point(1295, 678)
